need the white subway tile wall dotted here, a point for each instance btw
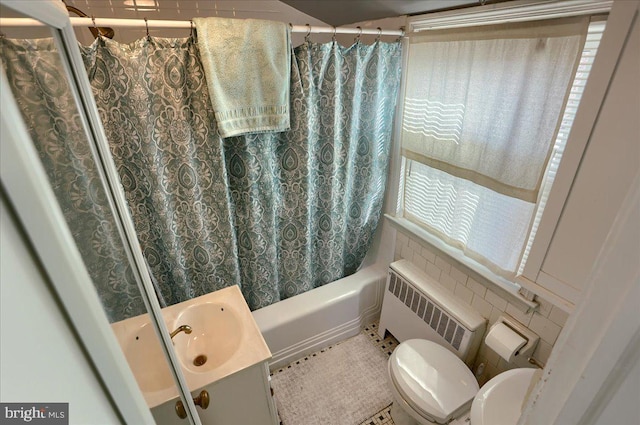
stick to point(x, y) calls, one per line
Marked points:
point(464, 293)
point(558, 316)
point(485, 298)
point(448, 282)
point(544, 327)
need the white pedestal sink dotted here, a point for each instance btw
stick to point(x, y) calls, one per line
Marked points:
point(500, 401)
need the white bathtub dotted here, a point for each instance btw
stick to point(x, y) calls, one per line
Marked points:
point(311, 321)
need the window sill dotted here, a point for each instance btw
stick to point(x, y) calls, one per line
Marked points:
point(510, 288)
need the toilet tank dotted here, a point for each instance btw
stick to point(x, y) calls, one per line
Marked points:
point(416, 306)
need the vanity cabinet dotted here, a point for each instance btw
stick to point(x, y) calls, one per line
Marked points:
point(243, 398)
point(222, 352)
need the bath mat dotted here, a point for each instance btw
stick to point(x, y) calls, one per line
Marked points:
point(340, 385)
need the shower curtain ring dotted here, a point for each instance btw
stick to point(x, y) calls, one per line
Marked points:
point(307, 39)
point(191, 29)
point(95, 27)
point(379, 34)
point(146, 24)
point(359, 34)
point(333, 37)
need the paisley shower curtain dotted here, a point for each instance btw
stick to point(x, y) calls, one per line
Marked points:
point(276, 213)
point(155, 108)
point(39, 84)
point(307, 201)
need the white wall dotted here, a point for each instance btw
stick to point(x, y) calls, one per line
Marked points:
point(623, 407)
point(394, 23)
point(40, 358)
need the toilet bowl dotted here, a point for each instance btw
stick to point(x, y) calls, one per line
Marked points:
point(431, 385)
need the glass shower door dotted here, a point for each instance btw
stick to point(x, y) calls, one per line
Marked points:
point(46, 78)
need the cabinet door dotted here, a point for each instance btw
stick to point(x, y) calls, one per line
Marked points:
point(243, 398)
point(240, 399)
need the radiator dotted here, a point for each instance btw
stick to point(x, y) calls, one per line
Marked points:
point(416, 306)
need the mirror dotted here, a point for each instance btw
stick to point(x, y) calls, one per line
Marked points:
point(36, 74)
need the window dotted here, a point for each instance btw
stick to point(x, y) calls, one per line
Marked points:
point(487, 113)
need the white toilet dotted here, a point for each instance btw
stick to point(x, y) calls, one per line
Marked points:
point(431, 385)
point(429, 371)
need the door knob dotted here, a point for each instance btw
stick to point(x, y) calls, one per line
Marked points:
point(201, 400)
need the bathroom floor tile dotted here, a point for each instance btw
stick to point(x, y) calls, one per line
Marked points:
point(380, 418)
point(386, 345)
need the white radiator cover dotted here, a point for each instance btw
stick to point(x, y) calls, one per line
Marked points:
point(416, 306)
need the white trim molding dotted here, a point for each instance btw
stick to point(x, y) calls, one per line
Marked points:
point(547, 293)
point(517, 11)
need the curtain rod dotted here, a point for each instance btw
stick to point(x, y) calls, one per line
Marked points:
point(157, 23)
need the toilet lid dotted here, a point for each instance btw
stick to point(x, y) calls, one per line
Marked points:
point(432, 379)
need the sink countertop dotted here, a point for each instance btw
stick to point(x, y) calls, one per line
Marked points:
point(251, 351)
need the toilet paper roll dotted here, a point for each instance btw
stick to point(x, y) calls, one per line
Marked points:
point(504, 341)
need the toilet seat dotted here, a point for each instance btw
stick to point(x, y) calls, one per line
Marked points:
point(432, 380)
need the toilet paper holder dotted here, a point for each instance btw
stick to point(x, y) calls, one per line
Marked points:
point(521, 358)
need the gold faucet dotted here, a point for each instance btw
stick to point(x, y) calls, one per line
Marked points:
point(184, 328)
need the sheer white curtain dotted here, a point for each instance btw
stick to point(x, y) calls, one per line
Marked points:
point(481, 113)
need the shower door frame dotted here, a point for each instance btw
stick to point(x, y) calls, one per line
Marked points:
point(27, 186)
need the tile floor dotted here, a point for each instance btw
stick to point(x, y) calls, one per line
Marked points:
point(382, 417)
point(387, 345)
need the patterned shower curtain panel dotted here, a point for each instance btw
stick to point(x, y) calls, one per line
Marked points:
point(307, 201)
point(276, 213)
point(156, 112)
point(39, 84)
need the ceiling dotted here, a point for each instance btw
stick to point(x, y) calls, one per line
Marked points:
point(312, 12)
point(341, 12)
point(300, 12)
point(331, 12)
point(184, 10)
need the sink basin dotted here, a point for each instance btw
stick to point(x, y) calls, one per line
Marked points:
point(224, 340)
point(216, 334)
point(146, 358)
point(500, 401)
